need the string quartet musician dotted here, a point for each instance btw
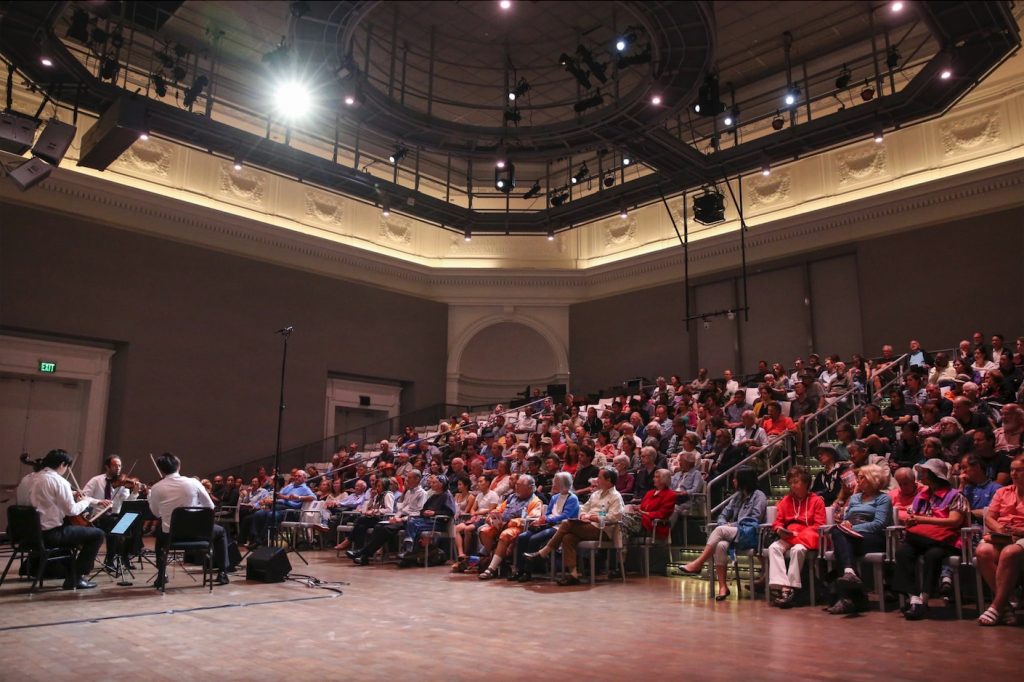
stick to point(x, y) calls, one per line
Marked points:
point(48, 491)
point(108, 486)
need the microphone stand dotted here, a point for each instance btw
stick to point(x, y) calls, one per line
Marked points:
point(272, 530)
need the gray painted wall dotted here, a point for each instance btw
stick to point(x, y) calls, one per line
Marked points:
point(198, 364)
point(936, 284)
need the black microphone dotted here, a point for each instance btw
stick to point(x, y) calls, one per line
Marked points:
point(286, 330)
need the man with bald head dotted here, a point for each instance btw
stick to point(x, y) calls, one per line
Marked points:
point(904, 493)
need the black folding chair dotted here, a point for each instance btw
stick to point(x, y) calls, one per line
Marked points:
point(26, 536)
point(191, 531)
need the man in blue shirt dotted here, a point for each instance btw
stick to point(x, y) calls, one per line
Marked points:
point(975, 484)
point(291, 497)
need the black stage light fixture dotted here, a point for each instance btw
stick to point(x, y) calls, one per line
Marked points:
point(594, 100)
point(626, 40)
point(634, 59)
point(892, 59)
point(160, 85)
point(521, 88)
point(505, 177)
point(513, 116)
point(109, 69)
point(778, 122)
point(533, 192)
point(609, 180)
point(116, 39)
point(732, 119)
point(626, 160)
point(179, 73)
point(792, 96)
point(194, 91)
point(79, 28)
point(868, 93)
point(709, 207)
point(165, 59)
point(54, 141)
point(117, 129)
point(559, 199)
point(708, 103)
point(581, 174)
point(30, 173)
point(843, 80)
point(597, 69)
point(581, 76)
point(398, 155)
point(180, 51)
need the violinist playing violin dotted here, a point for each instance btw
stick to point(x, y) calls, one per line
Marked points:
point(47, 490)
point(114, 486)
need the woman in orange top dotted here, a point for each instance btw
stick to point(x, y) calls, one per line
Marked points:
point(797, 518)
point(1002, 549)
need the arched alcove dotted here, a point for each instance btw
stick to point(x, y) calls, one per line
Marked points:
point(501, 359)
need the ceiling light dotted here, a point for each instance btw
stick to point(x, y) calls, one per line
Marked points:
point(522, 87)
point(596, 68)
point(626, 40)
point(778, 122)
point(292, 99)
point(500, 183)
point(398, 155)
point(505, 176)
point(766, 165)
point(385, 205)
point(533, 191)
point(117, 40)
point(551, 234)
point(843, 80)
point(868, 93)
point(239, 162)
point(143, 136)
point(946, 73)
point(897, 6)
point(792, 95)
point(594, 100)
point(581, 174)
point(626, 160)
point(506, 4)
point(468, 234)
point(46, 61)
point(350, 100)
point(623, 211)
point(878, 131)
point(634, 59)
point(733, 117)
point(656, 99)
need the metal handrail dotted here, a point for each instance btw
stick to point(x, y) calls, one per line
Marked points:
point(732, 469)
point(808, 439)
point(898, 362)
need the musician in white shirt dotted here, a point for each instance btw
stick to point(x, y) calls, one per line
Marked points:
point(174, 491)
point(48, 491)
point(100, 488)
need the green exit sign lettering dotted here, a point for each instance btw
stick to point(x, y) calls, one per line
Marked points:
point(47, 366)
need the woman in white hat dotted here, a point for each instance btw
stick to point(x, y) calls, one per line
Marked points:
point(933, 533)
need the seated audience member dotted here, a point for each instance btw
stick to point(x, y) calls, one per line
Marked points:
point(378, 504)
point(407, 508)
point(563, 505)
point(1008, 436)
point(506, 521)
point(747, 503)
point(868, 514)
point(724, 457)
point(323, 490)
point(631, 452)
point(439, 503)
point(585, 471)
point(975, 485)
point(903, 495)
point(760, 408)
point(801, 407)
point(908, 450)
point(643, 479)
point(827, 482)
point(797, 376)
point(1002, 548)
point(933, 533)
point(688, 484)
point(846, 435)
point(942, 404)
point(749, 436)
point(659, 504)
point(731, 385)
point(598, 520)
point(502, 482)
point(943, 373)
point(457, 467)
point(915, 393)
point(527, 424)
point(624, 483)
point(678, 432)
point(953, 443)
point(781, 379)
point(290, 499)
point(776, 424)
point(1012, 375)
point(841, 382)
point(798, 517)
point(484, 501)
point(593, 422)
point(702, 382)
point(884, 371)
point(572, 459)
point(968, 420)
point(918, 356)
point(930, 420)
point(544, 478)
point(900, 411)
point(982, 366)
point(996, 465)
point(735, 409)
point(859, 457)
point(877, 433)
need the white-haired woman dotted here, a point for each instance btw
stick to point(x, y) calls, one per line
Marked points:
point(868, 515)
point(563, 505)
point(625, 482)
point(687, 483)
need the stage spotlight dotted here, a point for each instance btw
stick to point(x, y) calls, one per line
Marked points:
point(79, 28)
point(117, 40)
point(709, 207)
point(632, 60)
point(513, 116)
point(596, 68)
point(708, 103)
point(505, 176)
point(626, 160)
point(160, 85)
point(843, 79)
point(293, 99)
point(595, 100)
point(468, 234)
point(559, 199)
point(551, 234)
point(179, 73)
point(868, 93)
point(766, 165)
point(732, 118)
point(791, 96)
point(609, 180)
point(944, 62)
point(506, 4)
point(656, 100)
point(572, 67)
point(522, 87)
point(623, 211)
point(625, 41)
point(533, 192)
point(194, 91)
point(892, 59)
point(398, 155)
point(879, 130)
point(46, 61)
point(778, 122)
point(239, 161)
point(109, 69)
point(581, 174)
point(897, 6)
point(385, 205)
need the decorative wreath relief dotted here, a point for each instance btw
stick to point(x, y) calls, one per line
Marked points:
point(861, 163)
point(148, 156)
point(242, 184)
point(618, 231)
point(323, 208)
point(968, 134)
point(395, 229)
point(768, 190)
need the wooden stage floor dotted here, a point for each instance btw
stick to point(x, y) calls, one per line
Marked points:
point(429, 624)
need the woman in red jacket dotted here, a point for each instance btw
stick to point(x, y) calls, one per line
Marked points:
point(659, 503)
point(797, 517)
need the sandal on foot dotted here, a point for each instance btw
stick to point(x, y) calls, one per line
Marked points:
point(488, 574)
point(990, 617)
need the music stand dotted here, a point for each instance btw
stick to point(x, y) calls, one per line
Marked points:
point(140, 507)
point(125, 522)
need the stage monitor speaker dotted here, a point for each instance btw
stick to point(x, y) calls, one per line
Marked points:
point(30, 173)
point(16, 133)
point(54, 141)
point(268, 565)
point(115, 131)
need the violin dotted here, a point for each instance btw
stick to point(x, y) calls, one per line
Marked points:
point(123, 481)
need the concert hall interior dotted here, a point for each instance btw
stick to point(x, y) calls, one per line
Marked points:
point(320, 322)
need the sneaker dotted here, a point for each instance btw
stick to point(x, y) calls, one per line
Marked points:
point(850, 581)
point(916, 612)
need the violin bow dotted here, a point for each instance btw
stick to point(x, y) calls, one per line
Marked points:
point(153, 459)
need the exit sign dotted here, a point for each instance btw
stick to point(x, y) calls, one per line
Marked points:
point(47, 366)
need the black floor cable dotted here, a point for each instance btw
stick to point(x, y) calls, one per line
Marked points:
point(310, 581)
point(170, 612)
